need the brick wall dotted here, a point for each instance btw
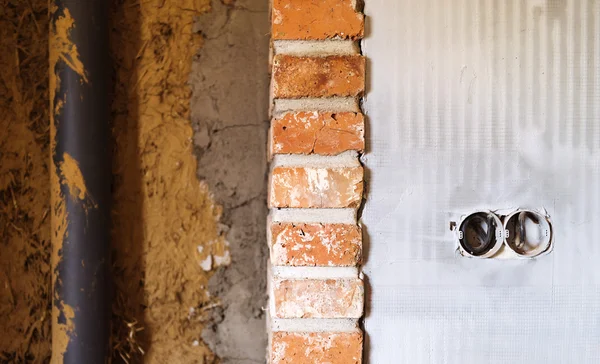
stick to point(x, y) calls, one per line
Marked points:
point(316, 182)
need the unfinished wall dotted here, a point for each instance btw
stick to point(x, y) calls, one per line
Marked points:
point(316, 292)
point(229, 115)
point(25, 298)
point(482, 105)
point(170, 233)
point(166, 234)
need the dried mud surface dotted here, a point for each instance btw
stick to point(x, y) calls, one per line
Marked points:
point(166, 231)
point(25, 276)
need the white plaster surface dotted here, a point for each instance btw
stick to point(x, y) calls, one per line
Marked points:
point(481, 105)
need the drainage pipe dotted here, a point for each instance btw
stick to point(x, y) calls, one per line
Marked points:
point(80, 180)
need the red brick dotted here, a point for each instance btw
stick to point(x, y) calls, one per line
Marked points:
point(320, 19)
point(315, 244)
point(305, 187)
point(318, 298)
point(296, 77)
point(321, 133)
point(316, 347)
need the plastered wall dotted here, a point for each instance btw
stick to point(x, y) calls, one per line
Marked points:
point(481, 105)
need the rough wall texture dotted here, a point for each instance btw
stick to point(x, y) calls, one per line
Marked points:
point(166, 233)
point(229, 115)
point(316, 290)
point(25, 297)
point(315, 244)
point(293, 19)
point(316, 347)
point(317, 132)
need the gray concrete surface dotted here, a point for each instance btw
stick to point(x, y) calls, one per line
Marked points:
point(229, 115)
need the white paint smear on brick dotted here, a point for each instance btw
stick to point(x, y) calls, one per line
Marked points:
point(328, 239)
point(326, 303)
point(306, 121)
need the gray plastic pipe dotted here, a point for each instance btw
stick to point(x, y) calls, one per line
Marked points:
point(81, 168)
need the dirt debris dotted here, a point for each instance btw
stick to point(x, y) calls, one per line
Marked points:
point(165, 223)
point(25, 276)
point(70, 172)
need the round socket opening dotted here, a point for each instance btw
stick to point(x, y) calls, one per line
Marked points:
point(528, 233)
point(480, 234)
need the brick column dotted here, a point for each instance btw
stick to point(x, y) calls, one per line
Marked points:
point(316, 182)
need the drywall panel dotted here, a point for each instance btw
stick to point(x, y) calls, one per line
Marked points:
point(482, 105)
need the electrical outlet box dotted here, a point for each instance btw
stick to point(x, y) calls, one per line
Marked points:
point(520, 233)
